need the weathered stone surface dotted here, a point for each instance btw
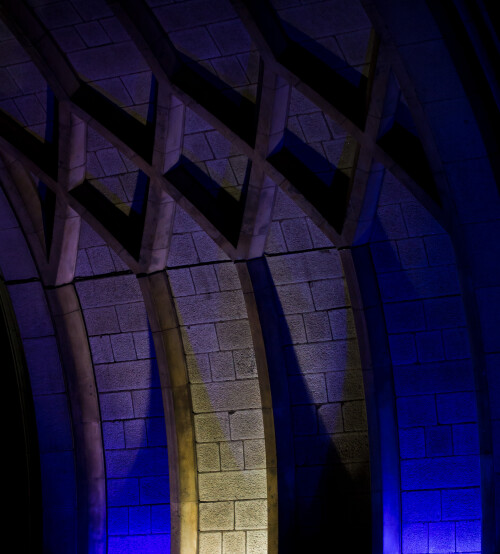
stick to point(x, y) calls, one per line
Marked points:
point(232, 485)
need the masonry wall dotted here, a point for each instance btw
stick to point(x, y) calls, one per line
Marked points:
point(433, 376)
point(226, 401)
point(48, 385)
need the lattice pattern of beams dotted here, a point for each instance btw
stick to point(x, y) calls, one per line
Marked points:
point(253, 119)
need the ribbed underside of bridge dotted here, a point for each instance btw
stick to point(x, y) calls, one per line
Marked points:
point(250, 276)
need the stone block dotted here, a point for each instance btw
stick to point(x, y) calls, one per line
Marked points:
point(123, 492)
point(100, 260)
point(329, 294)
point(307, 389)
point(445, 472)
point(210, 543)
point(415, 538)
point(354, 414)
point(296, 234)
point(317, 327)
point(28, 78)
point(330, 418)
point(199, 339)
point(256, 542)
point(216, 516)
point(53, 423)
point(139, 520)
point(389, 224)
point(113, 435)
point(196, 43)
point(101, 321)
point(32, 314)
point(428, 282)
point(212, 307)
point(155, 490)
point(156, 432)
point(429, 346)
point(160, 519)
point(292, 329)
point(123, 347)
point(255, 454)
point(135, 433)
point(433, 378)
point(305, 267)
point(227, 276)
point(468, 536)
point(181, 282)
point(275, 242)
point(404, 317)
point(143, 344)
point(231, 36)
point(328, 356)
point(108, 61)
point(231, 455)
point(116, 405)
point(251, 514)
point(211, 427)
point(342, 324)
point(441, 537)
point(465, 439)
point(456, 344)
point(147, 403)
point(305, 421)
point(198, 367)
point(132, 317)
point(245, 364)
point(233, 542)
point(182, 251)
point(412, 253)
point(45, 371)
point(208, 457)
point(138, 543)
point(139, 374)
point(438, 441)
point(456, 407)
point(137, 463)
point(403, 349)
point(208, 250)
point(421, 506)
point(226, 396)
point(13, 249)
point(246, 424)
point(385, 256)
point(108, 291)
point(345, 385)
point(234, 335)
point(205, 279)
point(412, 442)
point(419, 222)
point(100, 346)
point(118, 521)
point(416, 411)
point(232, 485)
point(461, 504)
point(295, 298)
point(439, 250)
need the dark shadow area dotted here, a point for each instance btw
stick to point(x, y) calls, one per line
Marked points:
point(136, 135)
point(127, 229)
point(325, 186)
point(314, 64)
point(229, 106)
point(398, 136)
point(23, 492)
point(320, 502)
point(43, 154)
point(213, 201)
